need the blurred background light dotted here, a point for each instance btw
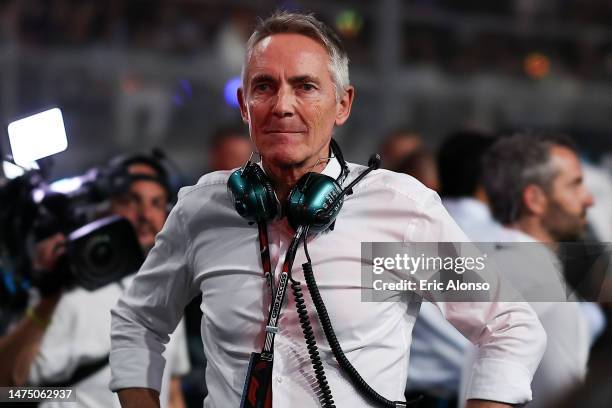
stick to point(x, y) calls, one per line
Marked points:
point(349, 23)
point(11, 170)
point(537, 66)
point(66, 185)
point(230, 91)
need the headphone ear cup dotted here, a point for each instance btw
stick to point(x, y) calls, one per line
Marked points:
point(254, 197)
point(309, 200)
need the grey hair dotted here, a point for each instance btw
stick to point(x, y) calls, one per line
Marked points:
point(309, 26)
point(512, 164)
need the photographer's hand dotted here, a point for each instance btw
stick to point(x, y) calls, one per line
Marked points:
point(49, 276)
point(19, 348)
point(48, 251)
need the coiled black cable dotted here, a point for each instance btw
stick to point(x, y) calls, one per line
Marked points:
point(337, 351)
point(326, 397)
point(311, 344)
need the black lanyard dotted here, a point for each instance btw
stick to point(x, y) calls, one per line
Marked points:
point(279, 293)
point(264, 251)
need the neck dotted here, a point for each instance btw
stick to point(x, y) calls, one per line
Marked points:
point(284, 178)
point(533, 227)
point(481, 195)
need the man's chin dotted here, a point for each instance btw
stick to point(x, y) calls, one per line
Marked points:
point(571, 235)
point(146, 244)
point(284, 161)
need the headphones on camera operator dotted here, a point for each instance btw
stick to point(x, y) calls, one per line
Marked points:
point(312, 206)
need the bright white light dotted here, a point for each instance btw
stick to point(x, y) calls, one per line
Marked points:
point(38, 195)
point(66, 185)
point(37, 136)
point(11, 171)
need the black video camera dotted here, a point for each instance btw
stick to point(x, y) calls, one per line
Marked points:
point(98, 252)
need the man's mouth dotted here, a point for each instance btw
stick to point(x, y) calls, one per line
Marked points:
point(284, 131)
point(146, 230)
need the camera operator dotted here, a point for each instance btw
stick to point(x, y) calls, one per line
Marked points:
point(64, 339)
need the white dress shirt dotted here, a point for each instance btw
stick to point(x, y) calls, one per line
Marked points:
point(79, 333)
point(207, 247)
point(438, 349)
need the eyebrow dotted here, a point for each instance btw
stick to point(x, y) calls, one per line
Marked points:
point(299, 79)
point(160, 196)
point(259, 78)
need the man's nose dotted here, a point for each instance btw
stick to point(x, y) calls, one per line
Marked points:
point(144, 213)
point(284, 103)
point(588, 199)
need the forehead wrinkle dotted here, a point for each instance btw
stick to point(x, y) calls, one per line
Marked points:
point(265, 50)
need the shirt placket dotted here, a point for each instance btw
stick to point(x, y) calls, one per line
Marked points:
point(279, 242)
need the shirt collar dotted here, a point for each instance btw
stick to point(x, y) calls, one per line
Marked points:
point(516, 235)
point(332, 168)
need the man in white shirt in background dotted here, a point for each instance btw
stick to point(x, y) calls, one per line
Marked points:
point(463, 194)
point(64, 340)
point(438, 349)
point(295, 91)
point(536, 190)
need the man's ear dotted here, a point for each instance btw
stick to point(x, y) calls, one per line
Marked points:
point(244, 112)
point(535, 199)
point(344, 105)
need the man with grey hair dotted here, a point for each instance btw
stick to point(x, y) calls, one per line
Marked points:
point(535, 185)
point(310, 27)
point(535, 189)
point(295, 91)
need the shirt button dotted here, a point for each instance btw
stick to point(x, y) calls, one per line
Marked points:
point(279, 379)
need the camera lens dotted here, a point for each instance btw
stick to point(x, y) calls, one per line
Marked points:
point(101, 254)
point(104, 251)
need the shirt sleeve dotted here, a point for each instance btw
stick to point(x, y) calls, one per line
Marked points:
point(151, 308)
point(180, 358)
point(509, 336)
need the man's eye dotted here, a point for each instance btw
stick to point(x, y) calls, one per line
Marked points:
point(133, 199)
point(261, 87)
point(308, 87)
point(159, 204)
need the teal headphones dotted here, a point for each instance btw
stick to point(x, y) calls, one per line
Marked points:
point(314, 201)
